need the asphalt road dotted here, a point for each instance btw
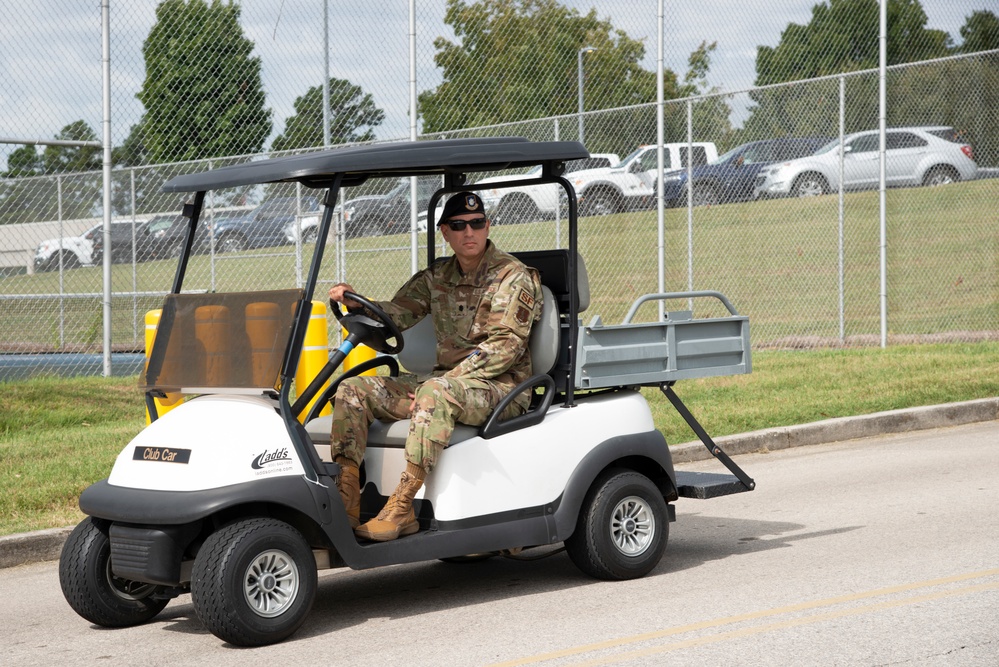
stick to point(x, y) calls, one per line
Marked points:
point(879, 551)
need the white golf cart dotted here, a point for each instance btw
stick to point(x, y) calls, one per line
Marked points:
point(231, 498)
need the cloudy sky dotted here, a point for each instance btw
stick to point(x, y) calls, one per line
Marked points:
point(50, 50)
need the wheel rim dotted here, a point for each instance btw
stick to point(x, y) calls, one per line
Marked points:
point(127, 589)
point(600, 205)
point(810, 188)
point(632, 526)
point(270, 584)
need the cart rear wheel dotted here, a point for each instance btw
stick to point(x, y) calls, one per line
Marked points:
point(622, 529)
point(93, 591)
point(254, 582)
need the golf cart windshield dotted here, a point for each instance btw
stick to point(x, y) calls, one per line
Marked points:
point(209, 341)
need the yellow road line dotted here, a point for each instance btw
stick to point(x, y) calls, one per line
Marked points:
point(816, 618)
point(766, 613)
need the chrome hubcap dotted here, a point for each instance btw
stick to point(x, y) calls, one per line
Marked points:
point(632, 526)
point(270, 584)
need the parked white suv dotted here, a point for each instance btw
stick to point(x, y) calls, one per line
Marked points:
point(76, 251)
point(534, 202)
point(631, 184)
point(913, 156)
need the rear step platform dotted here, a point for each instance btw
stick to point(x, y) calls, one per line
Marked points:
point(706, 485)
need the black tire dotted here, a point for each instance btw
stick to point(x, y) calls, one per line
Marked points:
point(623, 527)
point(365, 225)
point(310, 235)
point(810, 184)
point(93, 591)
point(941, 174)
point(230, 243)
point(254, 582)
point(516, 209)
point(706, 194)
point(599, 202)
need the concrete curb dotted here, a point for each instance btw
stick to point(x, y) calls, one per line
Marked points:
point(46, 545)
point(33, 547)
point(844, 428)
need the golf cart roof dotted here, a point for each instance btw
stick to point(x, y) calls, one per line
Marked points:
point(356, 164)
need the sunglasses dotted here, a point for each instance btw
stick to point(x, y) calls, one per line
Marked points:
point(459, 225)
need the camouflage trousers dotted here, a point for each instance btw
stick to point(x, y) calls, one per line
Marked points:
point(432, 406)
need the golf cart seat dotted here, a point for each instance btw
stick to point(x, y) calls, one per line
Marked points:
point(547, 344)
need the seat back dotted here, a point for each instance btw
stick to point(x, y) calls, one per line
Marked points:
point(553, 267)
point(419, 355)
point(549, 342)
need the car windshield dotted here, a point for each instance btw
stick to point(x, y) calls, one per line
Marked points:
point(828, 147)
point(631, 156)
point(216, 340)
point(726, 157)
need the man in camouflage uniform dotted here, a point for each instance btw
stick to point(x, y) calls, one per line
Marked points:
point(483, 302)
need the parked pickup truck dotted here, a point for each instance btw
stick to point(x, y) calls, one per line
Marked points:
point(537, 201)
point(631, 184)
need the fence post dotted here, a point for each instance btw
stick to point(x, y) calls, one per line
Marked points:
point(842, 269)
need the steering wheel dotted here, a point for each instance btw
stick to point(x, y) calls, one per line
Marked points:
point(374, 331)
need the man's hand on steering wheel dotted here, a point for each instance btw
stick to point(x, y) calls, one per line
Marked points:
point(337, 294)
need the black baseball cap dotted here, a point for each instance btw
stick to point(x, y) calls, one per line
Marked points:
point(462, 202)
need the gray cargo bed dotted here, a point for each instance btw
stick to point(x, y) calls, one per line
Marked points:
point(660, 353)
point(679, 348)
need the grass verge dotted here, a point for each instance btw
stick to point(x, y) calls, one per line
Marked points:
point(57, 436)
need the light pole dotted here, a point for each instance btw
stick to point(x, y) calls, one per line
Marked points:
point(579, 74)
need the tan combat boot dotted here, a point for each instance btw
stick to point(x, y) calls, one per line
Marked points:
point(349, 485)
point(397, 517)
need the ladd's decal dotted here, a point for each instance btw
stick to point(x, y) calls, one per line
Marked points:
point(270, 458)
point(162, 454)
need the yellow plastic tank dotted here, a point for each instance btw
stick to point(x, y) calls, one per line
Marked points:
point(172, 400)
point(262, 324)
point(315, 354)
point(211, 329)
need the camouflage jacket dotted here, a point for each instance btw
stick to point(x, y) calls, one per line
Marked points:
point(482, 320)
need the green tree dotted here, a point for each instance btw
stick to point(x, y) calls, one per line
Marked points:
point(980, 32)
point(202, 93)
point(842, 36)
point(62, 180)
point(517, 60)
point(353, 115)
point(61, 159)
point(23, 161)
point(137, 180)
point(19, 185)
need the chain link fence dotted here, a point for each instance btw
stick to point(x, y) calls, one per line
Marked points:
point(197, 85)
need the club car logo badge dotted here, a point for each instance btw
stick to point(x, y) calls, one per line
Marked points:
point(272, 461)
point(162, 454)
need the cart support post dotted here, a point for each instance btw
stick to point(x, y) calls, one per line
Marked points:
point(716, 451)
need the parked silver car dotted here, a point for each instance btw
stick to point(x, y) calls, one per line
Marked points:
point(913, 156)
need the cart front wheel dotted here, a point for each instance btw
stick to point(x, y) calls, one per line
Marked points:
point(254, 582)
point(92, 589)
point(622, 529)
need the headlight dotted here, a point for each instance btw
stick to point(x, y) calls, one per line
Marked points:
point(672, 178)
